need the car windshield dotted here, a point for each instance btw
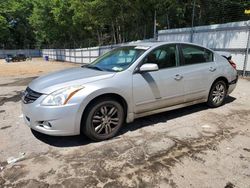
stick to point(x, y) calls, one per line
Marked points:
point(117, 60)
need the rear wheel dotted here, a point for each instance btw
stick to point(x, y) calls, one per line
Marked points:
point(103, 119)
point(217, 94)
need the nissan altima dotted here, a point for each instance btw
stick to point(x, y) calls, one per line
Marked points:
point(129, 82)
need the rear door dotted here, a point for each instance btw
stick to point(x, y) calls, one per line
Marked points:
point(198, 70)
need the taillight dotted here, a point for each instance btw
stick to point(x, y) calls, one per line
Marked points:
point(232, 63)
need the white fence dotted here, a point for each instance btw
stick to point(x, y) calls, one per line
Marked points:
point(83, 55)
point(27, 52)
point(231, 37)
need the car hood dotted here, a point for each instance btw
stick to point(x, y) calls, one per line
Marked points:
point(69, 77)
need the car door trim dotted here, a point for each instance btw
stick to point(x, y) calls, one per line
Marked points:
point(151, 112)
point(163, 102)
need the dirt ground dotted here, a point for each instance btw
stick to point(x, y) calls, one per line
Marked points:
point(31, 68)
point(190, 147)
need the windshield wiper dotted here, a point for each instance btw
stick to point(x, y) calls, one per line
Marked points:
point(95, 67)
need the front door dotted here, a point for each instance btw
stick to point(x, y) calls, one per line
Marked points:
point(162, 88)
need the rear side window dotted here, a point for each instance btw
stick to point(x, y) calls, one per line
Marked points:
point(195, 54)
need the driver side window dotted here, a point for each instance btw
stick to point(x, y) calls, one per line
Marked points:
point(164, 56)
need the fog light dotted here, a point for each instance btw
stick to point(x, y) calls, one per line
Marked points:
point(45, 124)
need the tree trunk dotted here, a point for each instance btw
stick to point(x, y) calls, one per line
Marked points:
point(113, 33)
point(99, 37)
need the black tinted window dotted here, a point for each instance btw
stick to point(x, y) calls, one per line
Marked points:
point(165, 56)
point(195, 54)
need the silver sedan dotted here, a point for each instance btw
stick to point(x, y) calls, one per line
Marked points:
point(129, 82)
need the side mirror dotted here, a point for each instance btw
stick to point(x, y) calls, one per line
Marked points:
point(148, 67)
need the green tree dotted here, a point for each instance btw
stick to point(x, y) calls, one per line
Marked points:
point(81, 23)
point(4, 30)
point(14, 16)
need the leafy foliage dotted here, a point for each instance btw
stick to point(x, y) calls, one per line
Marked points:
point(81, 23)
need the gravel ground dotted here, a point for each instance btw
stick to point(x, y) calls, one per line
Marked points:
point(190, 147)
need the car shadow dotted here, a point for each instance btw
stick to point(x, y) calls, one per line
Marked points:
point(168, 115)
point(62, 141)
point(80, 140)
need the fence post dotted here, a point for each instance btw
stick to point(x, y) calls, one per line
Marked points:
point(89, 55)
point(75, 54)
point(192, 28)
point(69, 55)
point(81, 56)
point(247, 52)
point(99, 51)
point(192, 35)
point(155, 31)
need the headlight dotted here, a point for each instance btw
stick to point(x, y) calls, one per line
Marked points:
point(61, 96)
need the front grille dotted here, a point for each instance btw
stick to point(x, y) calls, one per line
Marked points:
point(29, 96)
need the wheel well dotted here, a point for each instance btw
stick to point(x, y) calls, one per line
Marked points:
point(223, 79)
point(112, 96)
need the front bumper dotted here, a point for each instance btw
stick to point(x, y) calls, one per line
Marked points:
point(51, 120)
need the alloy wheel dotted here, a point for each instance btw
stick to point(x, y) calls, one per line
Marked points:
point(105, 119)
point(218, 93)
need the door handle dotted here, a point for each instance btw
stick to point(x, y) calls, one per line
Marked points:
point(212, 69)
point(178, 77)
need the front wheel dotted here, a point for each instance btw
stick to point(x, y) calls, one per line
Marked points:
point(217, 94)
point(103, 119)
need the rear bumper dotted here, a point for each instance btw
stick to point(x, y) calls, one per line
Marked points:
point(234, 81)
point(232, 85)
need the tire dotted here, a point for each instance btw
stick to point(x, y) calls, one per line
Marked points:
point(217, 94)
point(102, 119)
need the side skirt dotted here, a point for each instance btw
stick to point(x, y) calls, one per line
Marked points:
point(168, 108)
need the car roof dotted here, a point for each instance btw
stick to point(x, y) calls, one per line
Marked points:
point(147, 43)
point(150, 44)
